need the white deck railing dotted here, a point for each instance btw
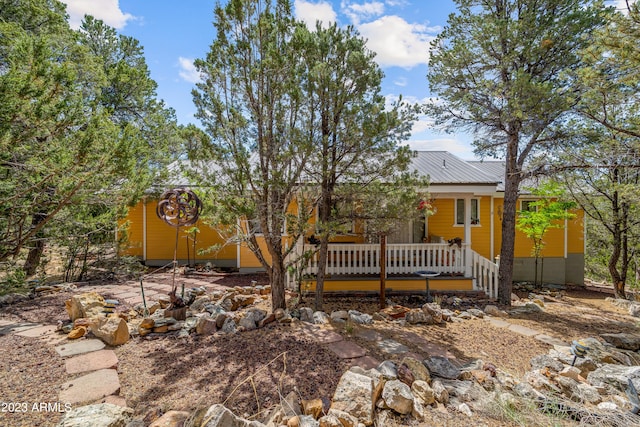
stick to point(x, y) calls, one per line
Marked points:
point(402, 258)
point(348, 259)
point(485, 275)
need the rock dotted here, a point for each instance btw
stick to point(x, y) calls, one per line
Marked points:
point(572, 372)
point(164, 301)
point(397, 396)
point(321, 318)
point(607, 406)
point(405, 375)
point(465, 391)
point(229, 326)
point(89, 304)
point(280, 314)
point(440, 392)
point(77, 332)
point(532, 307)
point(623, 341)
point(492, 310)
point(615, 376)
point(206, 326)
point(252, 318)
point(434, 311)
point(312, 407)
point(423, 391)
point(112, 330)
point(291, 405)
point(199, 303)
point(213, 309)
point(357, 394)
point(228, 302)
point(306, 314)
point(538, 301)
point(339, 315)
point(464, 315)
point(100, 415)
point(152, 307)
point(475, 312)
point(388, 370)
point(269, 319)
point(219, 416)
point(416, 316)
point(418, 410)
point(441, 367)
point(540, 382)
point(546, 361)
point(147, 322)
point(171, 419)
point(244, 300)
point(344, 418)
point(634, 310)
point(360, 318)
point(331, 420)
point(220, 319)
point(464, 408)
point(417, 368)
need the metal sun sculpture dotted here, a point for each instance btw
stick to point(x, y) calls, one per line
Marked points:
point(178, 207)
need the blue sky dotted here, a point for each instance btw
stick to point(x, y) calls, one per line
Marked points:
point(173, 34)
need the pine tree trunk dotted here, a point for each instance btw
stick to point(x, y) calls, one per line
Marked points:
point(35, 252)
point(322, 267)
point(277, 278)
point(511, 185)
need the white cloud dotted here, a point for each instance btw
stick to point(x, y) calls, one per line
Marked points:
point(310, 12)
point(400, 81)
point(106, 10)
point(397, 42)
point(188, 71)
point(359, 12)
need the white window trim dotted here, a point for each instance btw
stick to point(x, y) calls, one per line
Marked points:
point(455, 212)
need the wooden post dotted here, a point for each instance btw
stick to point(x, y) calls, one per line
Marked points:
point(383, 270)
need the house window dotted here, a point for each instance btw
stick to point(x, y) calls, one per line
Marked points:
point(254, 226)
point(475, 211)
point(528, 205)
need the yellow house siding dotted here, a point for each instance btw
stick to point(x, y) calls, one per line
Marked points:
point(161, 239)
point(575, 233)
point(131, 226)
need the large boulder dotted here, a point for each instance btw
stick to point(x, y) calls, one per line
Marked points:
point(416, 316)
point(616, 376)
point(88, 304)
point(417, 368)
point(397, 396)
point(623, 341)
point(441, 367)
point(100, 415)
point(112, 330)
point(357, 394)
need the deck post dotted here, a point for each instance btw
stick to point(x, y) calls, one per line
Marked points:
point(383, 269)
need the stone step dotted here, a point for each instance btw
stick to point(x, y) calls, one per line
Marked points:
point(90, 387)
point(79, 347)
point(18, 327)
point(347, 349)
point(93, 361)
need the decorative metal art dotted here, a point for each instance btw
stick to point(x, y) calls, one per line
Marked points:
point(179, 207)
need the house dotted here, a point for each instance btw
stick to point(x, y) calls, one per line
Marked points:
point(460, 241)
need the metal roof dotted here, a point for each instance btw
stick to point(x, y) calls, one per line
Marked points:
point(443, 167)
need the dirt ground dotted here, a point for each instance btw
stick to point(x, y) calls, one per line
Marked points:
point(252, 371)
